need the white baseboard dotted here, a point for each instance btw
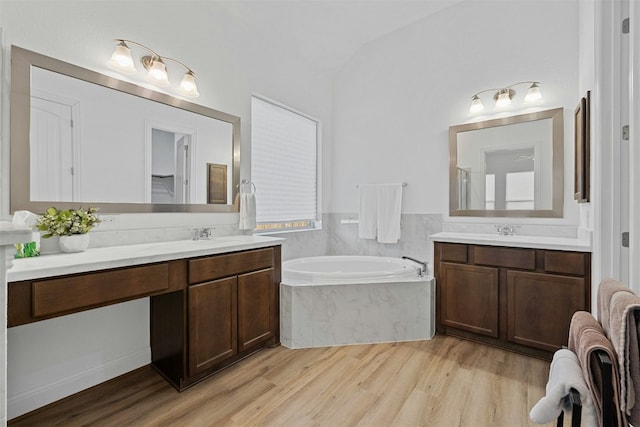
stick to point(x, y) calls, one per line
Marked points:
point(32, 399)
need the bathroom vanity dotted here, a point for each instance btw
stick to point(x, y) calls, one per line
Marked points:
point(514, 292)
point(212, 302)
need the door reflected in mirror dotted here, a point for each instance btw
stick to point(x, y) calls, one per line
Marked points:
point(508, 167)
point(170, 166)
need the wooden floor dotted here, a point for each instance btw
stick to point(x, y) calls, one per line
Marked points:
point(443, 382)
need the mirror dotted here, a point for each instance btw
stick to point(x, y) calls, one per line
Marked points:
point(511, 166)
point(79, 137)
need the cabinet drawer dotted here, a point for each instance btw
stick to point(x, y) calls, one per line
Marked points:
point(218, 266)
point(453, 252)
point(74, 293)
point(505, 257)
point(565, 262)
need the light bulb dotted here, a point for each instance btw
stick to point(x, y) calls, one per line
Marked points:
point(503, 98)
point(476, 105)
point(533, 94)
point(158, 73)
point(188, 85)
point(121, 59)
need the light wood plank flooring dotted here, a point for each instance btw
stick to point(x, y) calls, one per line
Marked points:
point(443, 382)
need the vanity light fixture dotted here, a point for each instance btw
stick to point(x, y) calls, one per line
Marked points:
point(503, 96)
point(122, 61)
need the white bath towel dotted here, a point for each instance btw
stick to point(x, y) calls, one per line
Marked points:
point(389, 206)
point(247, 211)
point(367, 217)
point(565, 373)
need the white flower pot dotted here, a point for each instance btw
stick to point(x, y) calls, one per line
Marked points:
point(74, 243)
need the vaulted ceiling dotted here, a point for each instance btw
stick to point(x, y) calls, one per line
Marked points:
point(326, 33)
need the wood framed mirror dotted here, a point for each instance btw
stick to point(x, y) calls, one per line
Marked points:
point(108, 154)
point(508, 167)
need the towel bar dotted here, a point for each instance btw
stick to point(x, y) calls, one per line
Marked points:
point(608, 405)
point(576, 409)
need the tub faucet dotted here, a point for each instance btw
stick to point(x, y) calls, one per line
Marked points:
point(421, 271)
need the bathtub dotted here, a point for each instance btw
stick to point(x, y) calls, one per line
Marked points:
point(342, 300)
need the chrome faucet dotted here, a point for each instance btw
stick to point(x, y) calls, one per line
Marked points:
point(505, 230)
point(204, 233)
point(421, 271)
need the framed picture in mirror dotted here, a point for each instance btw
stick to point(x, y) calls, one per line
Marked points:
point(216, 183)
point(582, 128)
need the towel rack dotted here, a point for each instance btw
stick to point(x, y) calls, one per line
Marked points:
point(404, 184)
point(606, 397)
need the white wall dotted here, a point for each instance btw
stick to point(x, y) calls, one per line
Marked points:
point(397, 97)
point(231, 63)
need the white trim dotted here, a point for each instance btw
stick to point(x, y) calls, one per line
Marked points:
point(606, 241)
point(634, 150)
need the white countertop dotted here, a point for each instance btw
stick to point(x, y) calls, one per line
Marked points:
point(124, 256)
point(518, 241)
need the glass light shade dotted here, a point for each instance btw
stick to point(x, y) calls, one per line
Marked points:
point(121, 59)
point(503, 98)
point(188, 85)
point(533, 94)
point(476, 105)
point(158, 74)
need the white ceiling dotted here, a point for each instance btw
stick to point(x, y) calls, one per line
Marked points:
point(326, 33)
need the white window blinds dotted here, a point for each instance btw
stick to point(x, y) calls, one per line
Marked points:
point(283, 166)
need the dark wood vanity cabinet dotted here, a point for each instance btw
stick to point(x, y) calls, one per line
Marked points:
point(231, 303)
point(206, 312)
point(516, 298)
point(229, 316)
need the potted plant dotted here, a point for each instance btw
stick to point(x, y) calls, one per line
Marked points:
point(72, 225)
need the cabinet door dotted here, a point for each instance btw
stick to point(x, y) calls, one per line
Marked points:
point(540, 307)
point(256, 305)
point(469, 298)
point(212, 323)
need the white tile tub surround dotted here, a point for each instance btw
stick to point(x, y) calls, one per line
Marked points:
point(9, 235)
point(336, 314)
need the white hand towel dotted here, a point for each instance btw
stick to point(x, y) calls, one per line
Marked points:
point(389, 206)
point(367, 217)
point(247, 211)
point(565, 373)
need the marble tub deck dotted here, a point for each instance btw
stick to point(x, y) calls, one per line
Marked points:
point(335, 314)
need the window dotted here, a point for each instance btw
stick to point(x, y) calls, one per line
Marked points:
point(520, 190)
point(490, 191)
point(284, 167)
